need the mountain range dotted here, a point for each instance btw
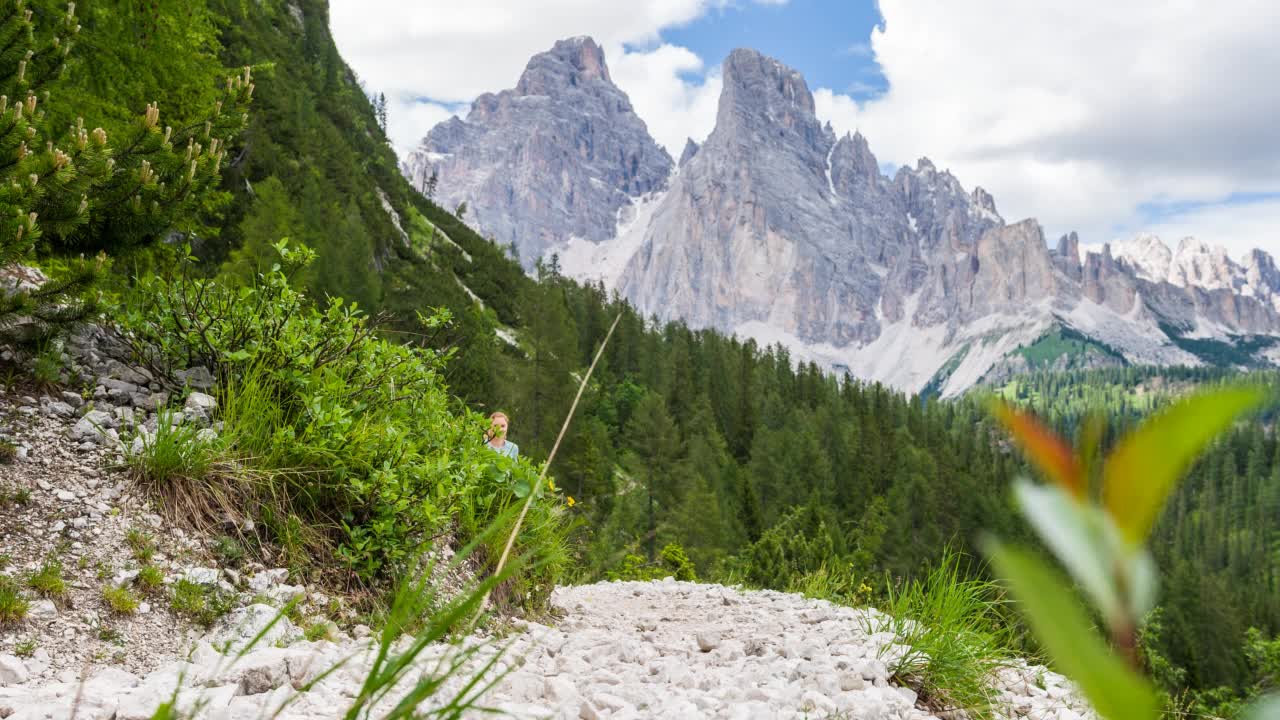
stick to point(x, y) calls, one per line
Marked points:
point(778, 229)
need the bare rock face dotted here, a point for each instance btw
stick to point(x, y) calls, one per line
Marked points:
point(778, 229)
point(551, 159)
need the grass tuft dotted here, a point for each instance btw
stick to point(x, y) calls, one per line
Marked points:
point(173, 453)
point(150, 579)
point(954, 637)
point(13, 608)
point(141, 544)
point(120, 600)
point(201, 603)
point(47, 581)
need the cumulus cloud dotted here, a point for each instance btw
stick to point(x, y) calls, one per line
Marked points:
point(673, 107)
point(1077, 114)
point(451, 52)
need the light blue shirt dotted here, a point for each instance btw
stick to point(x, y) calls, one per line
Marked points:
point(508, 449)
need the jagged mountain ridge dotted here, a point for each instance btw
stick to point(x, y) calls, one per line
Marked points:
point(776, 228)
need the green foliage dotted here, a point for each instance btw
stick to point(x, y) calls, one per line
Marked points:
point(1102, 545)
point(673, 557)
point(120, 599)
point(25, 649)
point(13, 607)
point(203, 604)
point(349, 443)
point(70, 189)
point(229, 550)
point(8, 452)
point(673, 563)
point(47, 581)
point(955, 636)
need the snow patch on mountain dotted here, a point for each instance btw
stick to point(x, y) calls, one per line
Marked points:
point(605, 261)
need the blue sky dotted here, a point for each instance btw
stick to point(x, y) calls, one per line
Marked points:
point(1103, 118)
point(828, 42)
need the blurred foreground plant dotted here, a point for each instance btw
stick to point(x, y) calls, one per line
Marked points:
point(1095, 518)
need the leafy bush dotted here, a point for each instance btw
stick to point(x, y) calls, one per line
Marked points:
point(349, 444)
point(13, 607)
point(47, 581)
point(672, 562)
point(120, 599)
point(955, 638)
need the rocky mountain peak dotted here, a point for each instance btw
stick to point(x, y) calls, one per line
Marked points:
point(983, 199)
point(569, 63)
point(690, 149)
point(760, 90)
point(553, 159)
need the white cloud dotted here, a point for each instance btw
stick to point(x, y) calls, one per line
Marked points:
point(1075, 114)
point(1239, 227)
point(673, 107)
point(408, 120)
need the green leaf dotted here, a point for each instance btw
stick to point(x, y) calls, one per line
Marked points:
point(1114, 689)
point(1143, 469)
point(520, 489)
point(1076, 534)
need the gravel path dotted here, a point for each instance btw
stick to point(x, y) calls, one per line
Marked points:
point(621, 650)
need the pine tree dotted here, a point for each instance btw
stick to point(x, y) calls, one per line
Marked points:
point(656, 451)
point(71, 189)
point(380, 111)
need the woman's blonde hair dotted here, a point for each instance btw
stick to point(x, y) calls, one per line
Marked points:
point(499, 414)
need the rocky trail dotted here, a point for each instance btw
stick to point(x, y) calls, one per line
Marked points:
point(621, 650)
point(662, 649)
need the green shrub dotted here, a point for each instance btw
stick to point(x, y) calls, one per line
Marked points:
point(349, 446)
point(25, 649)
point(955, 636)
point(120, 599)
point(203, 604)
point(672, 562)
point(47, 581)
point(13, 607)
point(8, 452)
point(675, 560)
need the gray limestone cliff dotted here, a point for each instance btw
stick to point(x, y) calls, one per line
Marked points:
point(553, 158)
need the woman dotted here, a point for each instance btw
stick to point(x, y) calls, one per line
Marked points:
point(497, 437)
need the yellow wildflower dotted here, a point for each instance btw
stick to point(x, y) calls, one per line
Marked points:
point(571, 501)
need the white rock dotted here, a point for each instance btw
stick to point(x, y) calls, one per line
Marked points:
point(42, 610)
point(266, 579)
point(12, 671)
